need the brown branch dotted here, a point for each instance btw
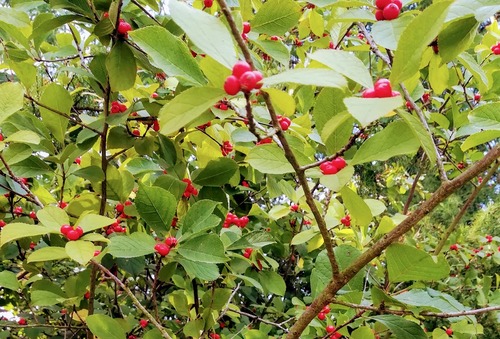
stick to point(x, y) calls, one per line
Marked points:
point(464, 208)
point(226, 307)
point(259, 319)
point(146, 11)
point(70, 118)
point(136, 302)
point(444, 191)
point(373, 45)
point(412, 191)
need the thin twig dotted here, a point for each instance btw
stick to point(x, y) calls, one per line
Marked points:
point(257, 318)
point(146, 11)
point(20, 182)
point(226, 307)
point(136, 302)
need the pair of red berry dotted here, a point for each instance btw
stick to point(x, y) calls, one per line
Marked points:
point(248, 252)
point(71, 233)
point(346, 221)
point(332, 167)
point(204, 126)
point(242, 79)
point(222, 105)
point(226, 148)
point(323, 313)
point(164, 248)
point(496, 48)
point(190, 189)
point(117, 107)
point(115, 227)
point(232, 219)
point(284, 122)
point(388, 9)
point(382, 89)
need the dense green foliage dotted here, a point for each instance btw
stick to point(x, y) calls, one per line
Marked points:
point(113, 118)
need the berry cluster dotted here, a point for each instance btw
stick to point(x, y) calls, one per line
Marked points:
point(226, 148)
point(382, 89)
point(190, 189)
point(248, 252)
point(242, 79)
point(115, 227)
point(323, 313)
point(123, 28)
point(332, 167)
point(388, 9)
point(71, 233)
point(346, 221)
point(120, 208)
point(489, 238)
point(18, 210)
point(284, 122)
point(164, 248)
point(496, 48)
point(330, 329)
point(117, 107)
point(222, 105)
point(232, 219)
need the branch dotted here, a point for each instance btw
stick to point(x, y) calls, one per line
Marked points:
point(257, 318)
point(136, 302)
point(412, 191)
point(53, 110)
point(464, 208)
point(145, 11)
point(229, 301)
point(373, 45)
point(444, 191)
point(284, 144)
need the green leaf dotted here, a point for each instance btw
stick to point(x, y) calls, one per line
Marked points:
point(142, 165)
point(406, 263)
point(9, 280)
point(130, 246)
point(337, 181)
point(431, 300)
point(121, 67)
point(421, 134)
point(272, 282)
point(269, 159)
point(439, 74)
point(275, 49)
point(304, 236)
point(481, 9)
point(486, 117)
point(188, 106)
point(479, 139)
point(156, 206)
point(362, 332)
point(206, 31)
point(52, 217)
point(46, 293)
point(90, 222)
point(25, 137)
point(477, 72)
point(48, 253)
point(276, 17)
point(378, 107)
point(396, 139)
point(17, 230)
point(329, 103)
point(80, 251)
point(203, 271)
point(417, 36)
point(57, 98)
point(308, 76)
point(344, 63)
point(104, 326)
point(359, 210)
point(169, 53)
point(456, 37)
point(204, 248)
point(30, 167)
point(200, 217)
point(218, 172)
point(337, 131)
point(401, 327)
point(387, 33)
point(92, 173)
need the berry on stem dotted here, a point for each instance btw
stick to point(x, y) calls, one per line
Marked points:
point(162, 249)
point(232, 85)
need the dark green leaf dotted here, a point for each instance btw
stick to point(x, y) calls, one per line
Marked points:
point(401, 327)
point(276, 17)
point(216, 173)
point(131, 246)
point(121, 67)
point(205, 249)
point(156, 206)
point(200, 217)
point(104, 326)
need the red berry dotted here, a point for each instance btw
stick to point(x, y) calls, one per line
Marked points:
point(96, 253)
point(232, 85)
point(425, 97)
point(275, 38)
point(245, 184)
point(123, 28)
point(1, 137)
point(33, 215)
point(258, 77)
point(73, 234)
point(119, 207)
point(248, 81)
point(247, 254)
point(330, 329)
point(327, 168)
point(87, 295)
point(18, 210)
point(398, 3)
point(379, 15)
point(136, 132)
point(265, 141)
point(369, 93)
point(162, 249)
point(454, 247)
point(496, 49)
point(326, 309)
point(171, 241)
point(391, 11)
point(383, 88)
point(2, 223)
point(65, 229)
point(284, 122)
point(223, 107)
point(22, 321)
point(154, 95)
point(214, 336)
point(241, 67)
point(24, 180)
point(78, 161)
point(246, 27)
point(226, 148)
point(409, 106)
point(477, 97)
point(449, 331)
point(381, 4)
point(294, 207)
point(331, 45)
point(336, 335)
point(143, 323)
point(105, 15)
point(338, 162)
point(321, 316)
point(208, 3)
point(156, 126)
